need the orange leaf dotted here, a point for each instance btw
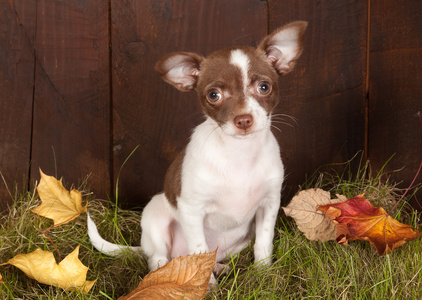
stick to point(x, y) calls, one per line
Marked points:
point(357, 219)
point(185, 277)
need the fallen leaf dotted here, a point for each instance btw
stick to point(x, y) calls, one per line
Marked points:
point(303, 208)
point(185, 277)
point(357, 219)
point(58, 203)
point(69, 274)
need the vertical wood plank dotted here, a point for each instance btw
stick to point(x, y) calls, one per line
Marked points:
point(325, 93)
point(147, 111)
point(71, 131)
point(396, 87)
point(16, 94)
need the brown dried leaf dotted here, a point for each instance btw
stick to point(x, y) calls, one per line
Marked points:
point(185, 277)
point(303, 208)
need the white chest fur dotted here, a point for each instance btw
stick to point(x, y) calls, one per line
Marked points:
point(228, 178)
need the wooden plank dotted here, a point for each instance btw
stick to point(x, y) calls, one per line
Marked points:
point(16, 94)
point(326, 91)
point(395, 87)
point(149, 112)
point(71, 132)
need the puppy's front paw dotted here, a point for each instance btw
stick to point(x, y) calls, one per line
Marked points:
point(263, 263)
point(221, 269)
point(213, 283)
point(198, 248)
point(263, 255)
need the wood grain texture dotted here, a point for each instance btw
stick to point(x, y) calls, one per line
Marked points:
point(16, 94)
point(75, 108)
point(147, 111)
point(71, 131)
point(395, 94)
point(325, 93)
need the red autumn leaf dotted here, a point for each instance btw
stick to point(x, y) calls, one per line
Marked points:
point(357, 219)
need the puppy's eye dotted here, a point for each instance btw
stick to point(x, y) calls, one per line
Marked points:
point(214, 96)
point(264, 88)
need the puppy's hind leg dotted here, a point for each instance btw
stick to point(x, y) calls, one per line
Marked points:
point(156, 239)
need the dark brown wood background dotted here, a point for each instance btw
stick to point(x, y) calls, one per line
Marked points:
point(78, 90)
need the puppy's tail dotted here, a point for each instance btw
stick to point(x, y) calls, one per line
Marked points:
point(102, 245)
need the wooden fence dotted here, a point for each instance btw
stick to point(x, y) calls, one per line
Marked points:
point(78, 90)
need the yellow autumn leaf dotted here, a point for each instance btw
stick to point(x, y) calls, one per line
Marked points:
point(69, 274)
point(58, 203)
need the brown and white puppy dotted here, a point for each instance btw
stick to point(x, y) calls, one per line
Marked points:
point(224, 188)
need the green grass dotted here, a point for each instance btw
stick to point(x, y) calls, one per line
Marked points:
point(301, 270)
point(116, 276)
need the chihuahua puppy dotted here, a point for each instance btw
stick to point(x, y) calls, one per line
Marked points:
point(224, 187)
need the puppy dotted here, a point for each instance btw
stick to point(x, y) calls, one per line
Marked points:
point(224, 187)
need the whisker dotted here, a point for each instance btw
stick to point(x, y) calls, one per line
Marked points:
point(281, 116)
point(278, 129)
point(195, 114)
point(281, 119)
point(284, 115)
point(284, 123)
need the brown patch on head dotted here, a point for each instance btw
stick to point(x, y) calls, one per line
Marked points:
point(261, 70)
point(173, 179)
point(219, 75)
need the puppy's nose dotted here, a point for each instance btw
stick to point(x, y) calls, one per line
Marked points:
point(243, 121)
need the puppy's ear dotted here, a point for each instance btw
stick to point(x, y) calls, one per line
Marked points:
point(180, 69)
point(284, 46)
